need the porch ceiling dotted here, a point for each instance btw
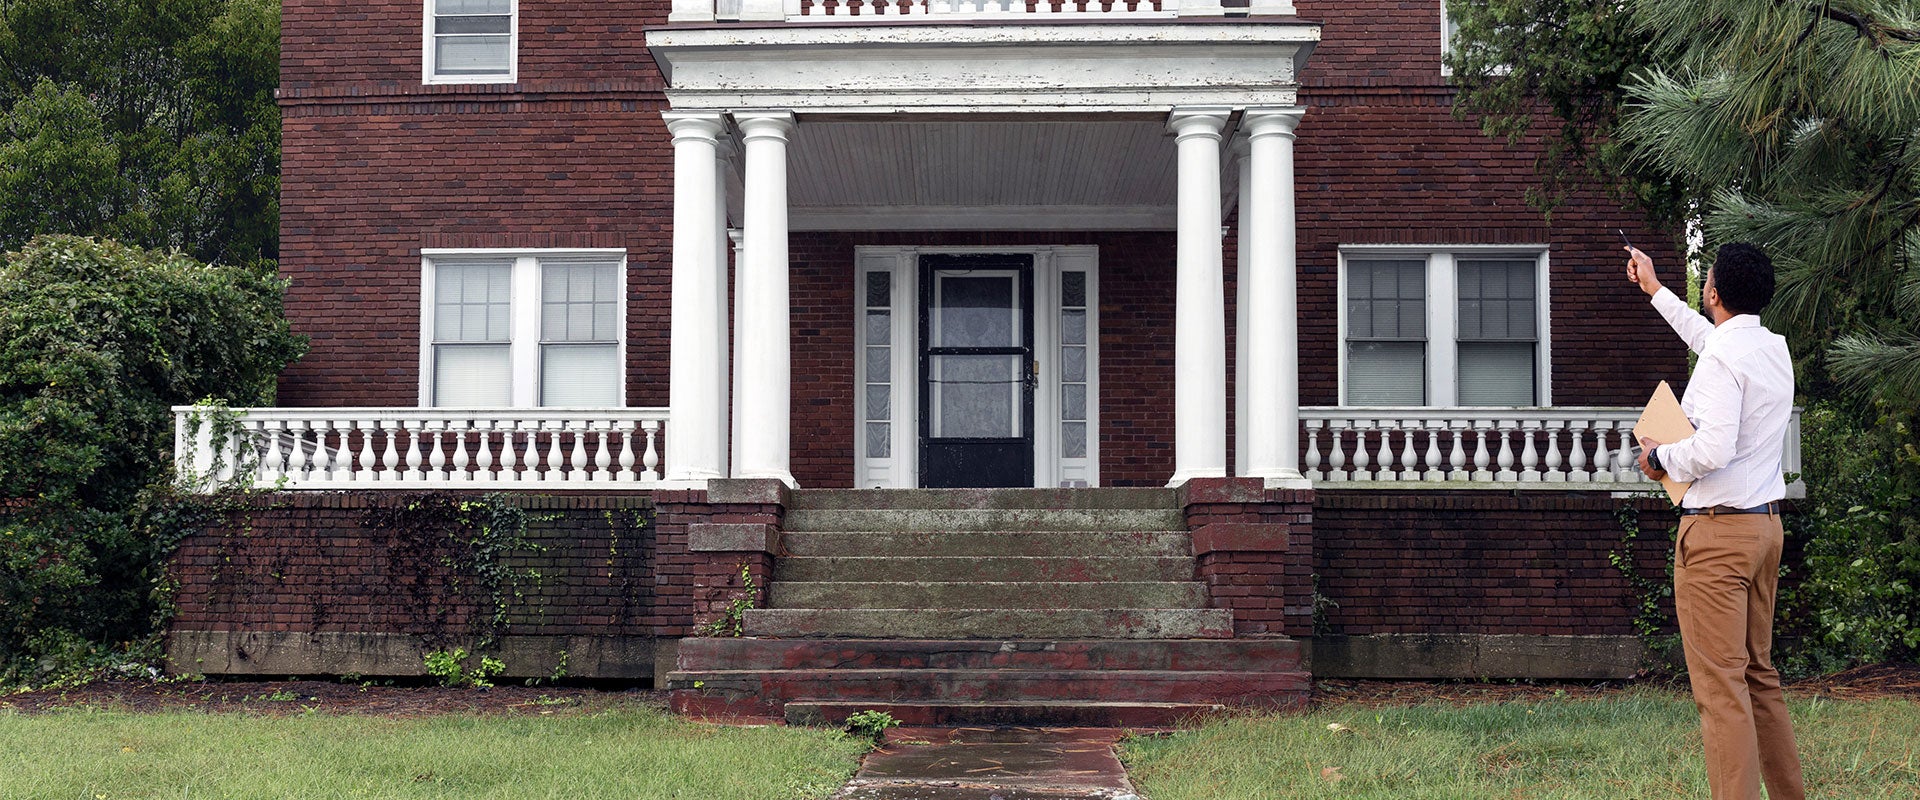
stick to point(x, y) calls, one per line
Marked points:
point(1109, 173)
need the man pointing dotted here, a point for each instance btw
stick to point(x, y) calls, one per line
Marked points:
point(1727, 558)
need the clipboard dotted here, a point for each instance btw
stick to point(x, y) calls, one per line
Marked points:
point(1664, 422)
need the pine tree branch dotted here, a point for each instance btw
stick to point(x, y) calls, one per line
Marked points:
point(1865, 28)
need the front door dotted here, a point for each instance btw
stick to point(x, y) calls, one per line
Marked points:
point(977, 370)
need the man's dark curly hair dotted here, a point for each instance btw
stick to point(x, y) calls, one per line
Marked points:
point(1744, 278)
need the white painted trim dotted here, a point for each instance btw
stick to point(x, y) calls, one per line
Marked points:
point(998, 218)
point(524, 317)
point(1442, 299)
point(427, 76)
point(903, 263)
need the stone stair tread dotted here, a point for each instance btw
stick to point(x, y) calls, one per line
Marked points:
point(990, 623)
point(1085, 713)
point(986, 543)
point(993, 594)
point(1277, 654)
point(1107, 497)
point(900, 685)
point(973, 519)
point(969, 569)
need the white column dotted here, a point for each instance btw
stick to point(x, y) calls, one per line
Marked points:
point(1272, 332)
point(763, 352)
point(1199, 317)
point(696, 443)
point(736, 237)
point(1240, 148)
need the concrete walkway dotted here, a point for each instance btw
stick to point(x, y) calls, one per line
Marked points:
point(993, 764)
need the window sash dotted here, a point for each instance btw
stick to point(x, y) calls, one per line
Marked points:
point(472, 38)
point(1481, 331)
point(554, 323)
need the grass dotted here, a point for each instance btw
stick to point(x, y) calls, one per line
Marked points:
point(631, 753)
point(1639, 745)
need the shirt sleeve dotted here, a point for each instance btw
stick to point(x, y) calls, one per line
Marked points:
point(1716, 401)
point(1692, 327)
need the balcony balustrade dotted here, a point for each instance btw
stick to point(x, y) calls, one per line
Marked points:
point(419, 448)
point(865, 11)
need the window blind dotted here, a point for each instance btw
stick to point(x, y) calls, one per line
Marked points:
point(1387, 332)
point(473, 37)
point(579, 332)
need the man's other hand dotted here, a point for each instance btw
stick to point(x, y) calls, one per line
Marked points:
point(1640, 271)
point(1646, 446)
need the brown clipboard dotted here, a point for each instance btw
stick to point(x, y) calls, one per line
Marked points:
point(1664, 422)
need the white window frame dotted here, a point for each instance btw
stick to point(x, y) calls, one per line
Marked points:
point(901, 469)
point(428, 67)
point(1442, 299)
point(524, 316)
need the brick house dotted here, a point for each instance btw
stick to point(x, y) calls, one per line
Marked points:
point(1102, 352)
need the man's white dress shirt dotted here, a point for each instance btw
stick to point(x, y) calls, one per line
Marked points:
point(1740, 400)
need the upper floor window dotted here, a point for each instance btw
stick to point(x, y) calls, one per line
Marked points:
point(517, 329)
point(471, 41)
point(1439, 327)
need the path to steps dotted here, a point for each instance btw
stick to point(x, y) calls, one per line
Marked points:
point(993, 764)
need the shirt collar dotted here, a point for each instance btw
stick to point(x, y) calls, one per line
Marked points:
point(1738, 322)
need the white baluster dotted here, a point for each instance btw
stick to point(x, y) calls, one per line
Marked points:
point(652, 458)
point(270, 469)
point(1337, 460)
point(458, 468)
point(556, 458)
point(1603, 453)
point(603, 458)
point(1384, 458)
point(1552, 472)
point(1457, 459)
point(390, 458)
point(1529, 457)
point(1313, 450)
point(1433, 428)
point(436, 457)
point(1408, 458)
point(530, 453)
point(297, 463)
point(577, 459)
point(1482, 451)
point(509, 449)
point(1361, 457)
point(415, 429)
point(368, 456)
point(483, 458)
point(1577, 460)
point(627, 433)
point(1506, 473)
point(1626, 468)
point(329, 466)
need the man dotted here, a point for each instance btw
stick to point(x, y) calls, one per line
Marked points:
point(1727, 558)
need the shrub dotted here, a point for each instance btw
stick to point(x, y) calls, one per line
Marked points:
point(97, 341)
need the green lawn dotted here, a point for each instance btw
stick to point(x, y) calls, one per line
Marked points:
point(630, 753)
point(1640, 745)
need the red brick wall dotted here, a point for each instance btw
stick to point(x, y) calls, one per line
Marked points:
point(1480, 562)
point(315, 562)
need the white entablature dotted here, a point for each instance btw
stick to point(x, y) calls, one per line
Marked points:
point(986, 68)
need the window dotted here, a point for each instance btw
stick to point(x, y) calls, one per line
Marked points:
point(516, 329)
point(1461, 327)
point(470, 41)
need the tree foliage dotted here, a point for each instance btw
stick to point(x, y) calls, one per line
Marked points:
point(149, 121)
point(97, 341)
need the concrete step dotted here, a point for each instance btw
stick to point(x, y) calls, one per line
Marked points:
point(988, 543)
point(950, 594)
point(994, 623)
point(983, 568)
point(1068, 713)
point(981, 498)
point(997, 685)
point(802, 520)
point(1251, 655)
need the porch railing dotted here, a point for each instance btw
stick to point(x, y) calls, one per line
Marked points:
point(861, 11)
point(417, 448)
point(1534, 448)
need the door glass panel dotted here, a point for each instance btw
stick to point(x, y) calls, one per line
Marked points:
point(976, 397)
point(976, 311)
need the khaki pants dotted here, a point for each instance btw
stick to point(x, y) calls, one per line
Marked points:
point(1726, 567)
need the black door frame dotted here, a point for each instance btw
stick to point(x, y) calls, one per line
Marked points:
point(930, 448)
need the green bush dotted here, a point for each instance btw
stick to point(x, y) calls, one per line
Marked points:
point(1855, 601)
point(97, 341)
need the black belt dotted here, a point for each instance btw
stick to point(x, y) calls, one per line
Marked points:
point(1763, 508)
